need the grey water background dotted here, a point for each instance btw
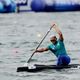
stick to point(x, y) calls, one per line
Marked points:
point(19, 38)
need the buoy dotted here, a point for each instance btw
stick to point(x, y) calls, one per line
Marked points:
point(7, 6)
point(11, 7)
point(37, 5)
point(1, 7)
point(55, 5)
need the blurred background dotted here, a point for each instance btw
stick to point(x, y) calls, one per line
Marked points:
point(9, 6)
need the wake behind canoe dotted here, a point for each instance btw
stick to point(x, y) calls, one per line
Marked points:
point(43, 67)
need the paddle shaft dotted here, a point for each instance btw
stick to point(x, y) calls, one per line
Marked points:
point(40, 42)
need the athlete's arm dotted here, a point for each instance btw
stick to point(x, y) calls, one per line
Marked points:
point(59, 32)
point(42, 50)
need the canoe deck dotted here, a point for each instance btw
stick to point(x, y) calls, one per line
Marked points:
point(43, 67)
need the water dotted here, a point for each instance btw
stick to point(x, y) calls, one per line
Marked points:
point(18, 39)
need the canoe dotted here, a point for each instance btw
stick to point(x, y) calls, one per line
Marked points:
point(38, 67)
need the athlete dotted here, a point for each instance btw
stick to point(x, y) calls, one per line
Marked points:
point(58, 48)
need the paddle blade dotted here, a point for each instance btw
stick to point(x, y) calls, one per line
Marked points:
point(26, 64)
point(30, 66)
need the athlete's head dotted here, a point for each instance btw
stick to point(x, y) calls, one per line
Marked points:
point(53, 39)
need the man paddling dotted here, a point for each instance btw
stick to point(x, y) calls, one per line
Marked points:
point(58, 48)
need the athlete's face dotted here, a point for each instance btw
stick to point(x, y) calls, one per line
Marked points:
point(53, 39)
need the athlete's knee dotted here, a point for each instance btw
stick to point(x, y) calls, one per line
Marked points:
point(66, 60)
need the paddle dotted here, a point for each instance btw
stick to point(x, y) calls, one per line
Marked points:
point(40, 43)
